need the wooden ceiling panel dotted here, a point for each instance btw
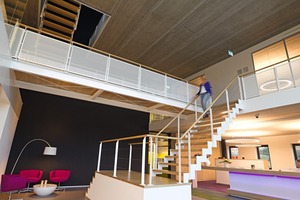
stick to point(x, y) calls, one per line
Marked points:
point(184, 37)
point(123, 22)
point(53, 83)
point(159, 22)
point(126, 99)
point(31, 14)
point(106, 6)
point(219, 27)
point(174, 35)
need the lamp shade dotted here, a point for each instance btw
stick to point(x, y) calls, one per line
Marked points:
point(50, 151)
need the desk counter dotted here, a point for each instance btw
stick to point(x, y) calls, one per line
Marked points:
point(262, 184)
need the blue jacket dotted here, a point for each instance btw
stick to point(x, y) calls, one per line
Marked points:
point(207, 87)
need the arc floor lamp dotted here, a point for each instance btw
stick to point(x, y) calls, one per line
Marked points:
point(49, 150)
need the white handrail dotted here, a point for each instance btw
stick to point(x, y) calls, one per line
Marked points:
point(99, 156)
point(151, 161)
point(130, 157)
point(143, 162)
point(116, 159)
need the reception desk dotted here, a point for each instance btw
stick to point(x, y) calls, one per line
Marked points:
point(262, 184)
point(222, 176)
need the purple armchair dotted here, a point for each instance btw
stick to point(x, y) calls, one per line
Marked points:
point(10, 183)
point(59, 176)
point(31, 175)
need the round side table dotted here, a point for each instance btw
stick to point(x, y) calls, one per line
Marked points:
point(45, 190)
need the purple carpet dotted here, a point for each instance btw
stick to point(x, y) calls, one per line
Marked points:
point(212, 185)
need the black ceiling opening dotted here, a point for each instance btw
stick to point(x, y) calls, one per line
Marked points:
point(88, 20)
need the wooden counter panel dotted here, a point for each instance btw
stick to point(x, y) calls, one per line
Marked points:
point(256, 171)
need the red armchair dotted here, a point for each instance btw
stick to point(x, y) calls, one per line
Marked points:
point(31, 175)
point(59, 176)
point(10, 183)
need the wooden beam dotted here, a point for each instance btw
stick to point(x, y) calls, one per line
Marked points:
point(97, 93)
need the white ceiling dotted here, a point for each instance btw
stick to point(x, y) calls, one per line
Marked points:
point(283, 120)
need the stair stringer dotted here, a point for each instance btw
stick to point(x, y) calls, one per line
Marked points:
point(210, 144)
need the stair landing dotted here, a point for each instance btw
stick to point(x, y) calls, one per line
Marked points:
point(135, 178)
point(127, 186)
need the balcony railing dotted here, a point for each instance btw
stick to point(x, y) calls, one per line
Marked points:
point(281, 76)
point(57, 54)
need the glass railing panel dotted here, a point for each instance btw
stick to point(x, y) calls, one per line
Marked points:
point(295, 63)
point(152, 82)
point(266, 81)
point(284, 76)
point(177, 89)
point(44, 50)
point(9, 29)
point(192, 89)
point(15, 37)
point(250, 86)
point(56, 54)
point(123, 73)
point(234, 91)
point(88, 63)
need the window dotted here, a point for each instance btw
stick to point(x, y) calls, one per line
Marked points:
point(233, 152)
point(296, 149)
point(293, 45)
point(270, 55)
point(264, 154)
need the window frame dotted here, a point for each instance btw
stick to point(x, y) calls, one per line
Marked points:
point(258, 154)
point(231, 147)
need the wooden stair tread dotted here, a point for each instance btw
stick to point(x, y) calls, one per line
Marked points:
point(164, 171)
point(19, 6)
point(59, 19)
point(218, 120)
point(61, 12)
point(231, 104)
point(168, 163)
point(55, 33)
point(171, 156)
point(66, 4)
point(58, 27)
point(12, 12)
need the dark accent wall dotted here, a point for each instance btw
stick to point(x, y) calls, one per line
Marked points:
point(75, 127)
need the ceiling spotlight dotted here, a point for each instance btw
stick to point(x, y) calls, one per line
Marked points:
point(243, 140)
point(230, 53)
point(257, 115)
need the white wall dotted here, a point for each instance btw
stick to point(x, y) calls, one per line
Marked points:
point(280, 148)
point(10, 100)
point(4, 51)
point(8, 126)
point(223, 72)
point(105, 187)
point(248, 153)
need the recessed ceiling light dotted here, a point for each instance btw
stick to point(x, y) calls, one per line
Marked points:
point(243, 140)
point(248, 145)
point(272, 86)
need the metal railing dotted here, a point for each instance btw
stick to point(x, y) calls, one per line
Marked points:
point(152, 140)
point(278, 77)
point(42, 48)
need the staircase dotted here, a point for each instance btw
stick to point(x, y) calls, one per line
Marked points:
point(60, 17)
point(15, 10)
point(203, 137)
